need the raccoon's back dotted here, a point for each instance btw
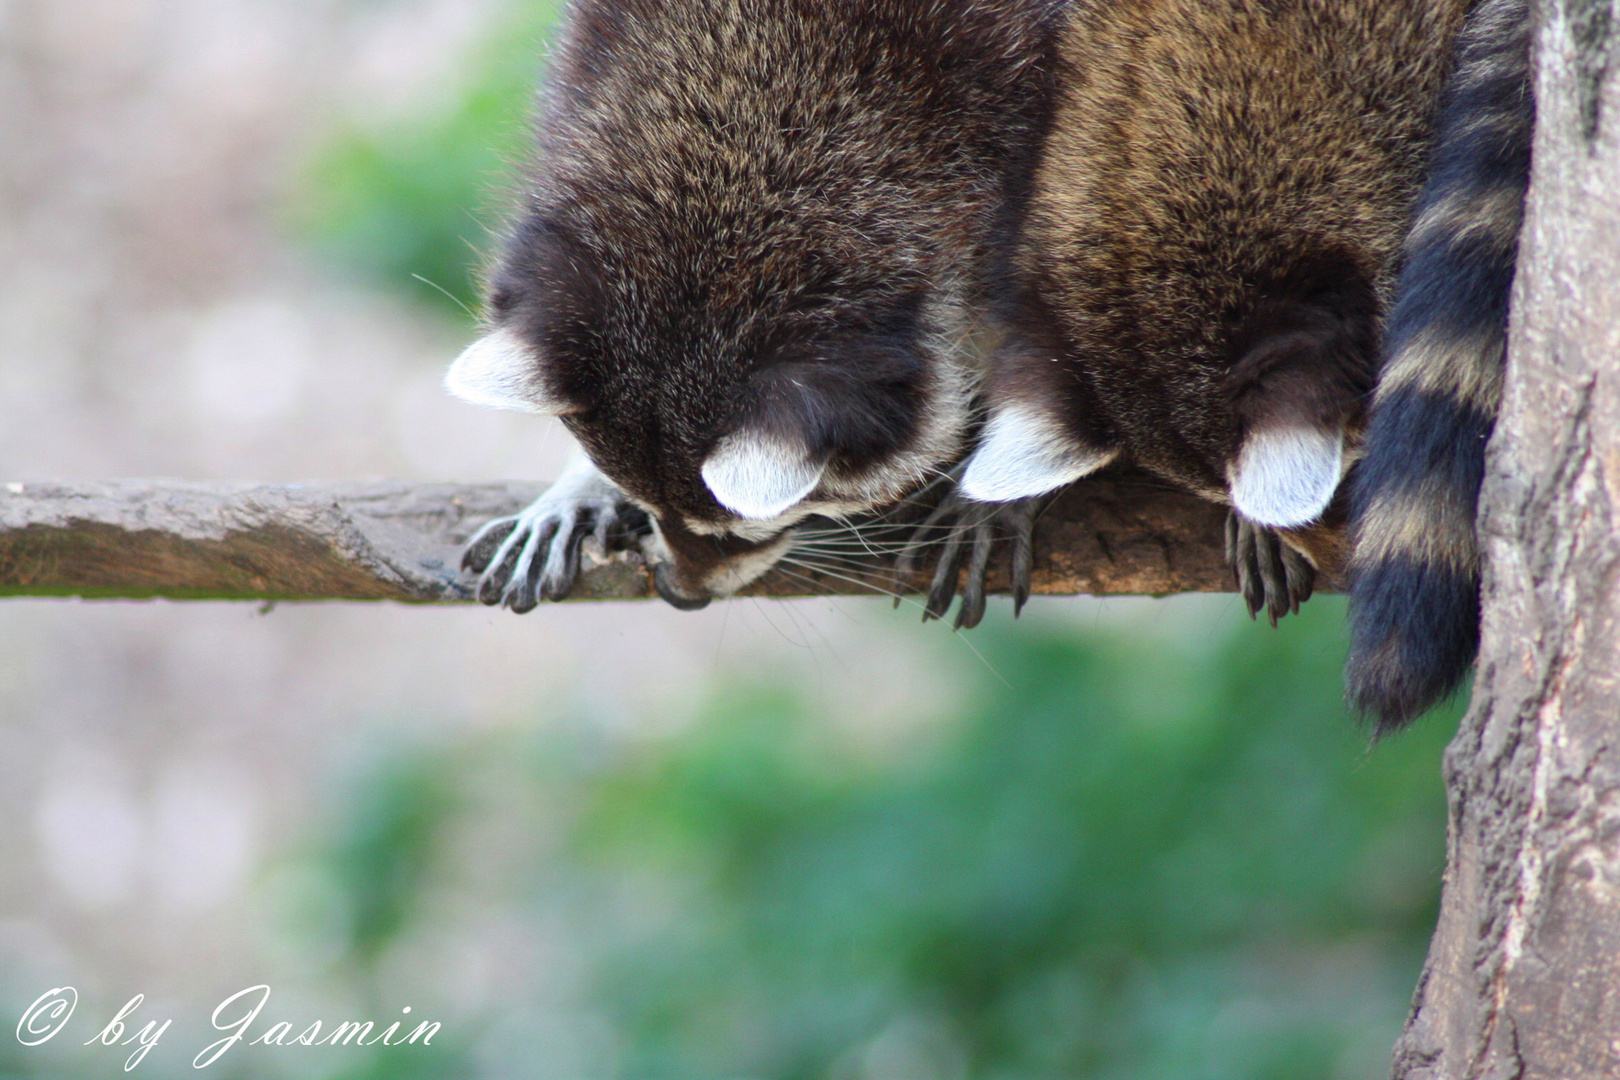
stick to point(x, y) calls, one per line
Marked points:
point(1206, 154)
point(762, 117)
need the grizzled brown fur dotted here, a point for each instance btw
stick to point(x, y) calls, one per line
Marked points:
point(1216, 218)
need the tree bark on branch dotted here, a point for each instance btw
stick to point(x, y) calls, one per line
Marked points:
point(1116, 533)
point(1523, 977)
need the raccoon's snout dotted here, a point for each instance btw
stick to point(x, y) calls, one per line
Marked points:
point(665, 584)
point(692, 568)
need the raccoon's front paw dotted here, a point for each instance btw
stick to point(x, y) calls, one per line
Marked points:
point(962, 530)
point(535, 555)
point(1269, 573)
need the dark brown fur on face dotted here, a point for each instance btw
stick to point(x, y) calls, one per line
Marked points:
point(770, 214)
point(1216, 219)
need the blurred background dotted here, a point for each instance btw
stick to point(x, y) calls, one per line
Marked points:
point(785, 840)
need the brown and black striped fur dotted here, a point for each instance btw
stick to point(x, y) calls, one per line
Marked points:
point(1414, 593)
point(1215, 224)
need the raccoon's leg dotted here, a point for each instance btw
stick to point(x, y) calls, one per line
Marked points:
point(1041, 433)
point(1043, 428)
point(971, 530)
point(1304, 367)
point(1297, 388)
point(1414, 582)
point(1270, 573)
point(534, 555)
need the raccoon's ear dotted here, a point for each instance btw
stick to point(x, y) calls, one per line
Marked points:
point(1284, 476)
point(1023, 453)
point(758, 475)
point(502, 371)
point(795, 418)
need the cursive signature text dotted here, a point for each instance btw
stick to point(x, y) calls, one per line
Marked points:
point(237, 1016)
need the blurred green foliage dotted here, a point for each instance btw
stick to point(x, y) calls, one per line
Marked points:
point(1122, 865)
point(1115, 860)
point(407, 205)
point(378, 856)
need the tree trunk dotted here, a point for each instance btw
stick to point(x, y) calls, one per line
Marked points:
point(1523, 979)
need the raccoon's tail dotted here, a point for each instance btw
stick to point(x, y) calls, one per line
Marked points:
point(1414, 573)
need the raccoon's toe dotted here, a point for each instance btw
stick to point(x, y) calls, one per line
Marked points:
point(534, 541)
point(964, 533)
point(947, 575)
point(1270, 574)
point(1018, 520)
point(481, 548)
point(973, 594)
point(510, 554)
point(492, 554)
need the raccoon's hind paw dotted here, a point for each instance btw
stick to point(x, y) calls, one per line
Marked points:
point(962, 530)
point(1269, 573)
point(535, 555)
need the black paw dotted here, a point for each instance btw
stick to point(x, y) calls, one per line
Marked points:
point(535, 555)
point(965, 532)
point(1269, 573)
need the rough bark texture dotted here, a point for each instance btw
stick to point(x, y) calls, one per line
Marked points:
point(394, 541)
point(1523, 979)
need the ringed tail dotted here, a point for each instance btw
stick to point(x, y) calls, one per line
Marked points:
point(1414, 571)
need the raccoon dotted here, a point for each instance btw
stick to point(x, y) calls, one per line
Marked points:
point(752, 271)
point(1200, 278)
point(1414, 591)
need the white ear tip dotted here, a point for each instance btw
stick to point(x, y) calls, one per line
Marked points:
point(1285, 477)
point(499, 371)
point(759, 478)
point(1022, 454)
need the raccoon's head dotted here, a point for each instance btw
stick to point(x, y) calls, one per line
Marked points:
point(751, 247)
point(730, 393)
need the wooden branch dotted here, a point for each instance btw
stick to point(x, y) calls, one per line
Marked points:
point(383, 540)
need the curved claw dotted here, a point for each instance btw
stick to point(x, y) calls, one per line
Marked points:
point(973, 596)
point(947, 572)
point(1019, 520)
point(922, 537)
point(1270, 574)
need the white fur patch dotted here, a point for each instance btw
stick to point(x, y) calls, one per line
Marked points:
point(758, 477)
point(1022, 454)
point(1285, 477)
point(501, 371)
